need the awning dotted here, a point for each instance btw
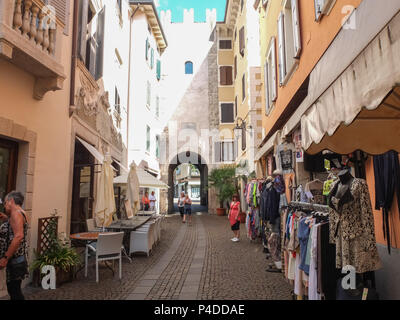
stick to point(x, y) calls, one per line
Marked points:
point(343, 119)
point(146, 180)
point(347, 45)
point(93, 151)
point(268, 146)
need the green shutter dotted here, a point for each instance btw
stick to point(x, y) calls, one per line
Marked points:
point(158, 69)
point(152, 58)
point(147, 49)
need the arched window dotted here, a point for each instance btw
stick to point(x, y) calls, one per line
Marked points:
point(188, 67)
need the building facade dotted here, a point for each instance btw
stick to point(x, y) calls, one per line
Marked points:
point(35, 61)
point(313, 111)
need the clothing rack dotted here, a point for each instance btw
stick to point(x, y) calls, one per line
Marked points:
point(309, 206)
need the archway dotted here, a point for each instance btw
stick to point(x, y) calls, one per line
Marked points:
point(196, 160)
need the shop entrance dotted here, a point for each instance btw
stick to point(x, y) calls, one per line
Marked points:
point(82, 188)
point(8, 168)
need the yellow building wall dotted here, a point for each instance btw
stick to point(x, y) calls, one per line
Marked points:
point(315, 37)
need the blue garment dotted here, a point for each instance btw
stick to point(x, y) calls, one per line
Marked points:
point(303, 234)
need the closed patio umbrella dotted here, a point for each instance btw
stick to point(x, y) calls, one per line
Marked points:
point(133, 189)
point(105, 202)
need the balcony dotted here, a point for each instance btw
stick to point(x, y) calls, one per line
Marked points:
point(31, 38)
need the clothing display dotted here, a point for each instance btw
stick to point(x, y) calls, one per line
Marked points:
point(387, 180)
point(285, 155)
point(352, 226)
point(314, 190)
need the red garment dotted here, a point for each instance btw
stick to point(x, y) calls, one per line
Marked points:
point(234, 212)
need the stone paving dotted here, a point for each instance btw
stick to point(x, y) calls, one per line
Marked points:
point(191, 262)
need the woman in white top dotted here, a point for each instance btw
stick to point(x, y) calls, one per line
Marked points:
point(181, 206)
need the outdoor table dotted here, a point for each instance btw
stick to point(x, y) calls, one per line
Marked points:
point(127, 226)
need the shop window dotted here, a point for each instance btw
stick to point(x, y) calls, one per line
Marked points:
point(227, 115)
point(225, 76)
point(289, 40)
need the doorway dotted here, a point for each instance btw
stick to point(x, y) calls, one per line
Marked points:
point(8, 168)
point(82, 188)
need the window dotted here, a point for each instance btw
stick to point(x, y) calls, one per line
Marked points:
point(236, 107)
point(147, 49)
point(264, 3)
point(225, 44)
point(270, 77)
point(235, 68)
point(91, 42)
point(157, 146)
point(225, 76)
point(119, 3)
point(225, 151)
point(244, 87)
point(289, 40)
point(148, 97)
point(188, 67)
point(158, 69)
point(242, 43)
point(227, 113)
point(152, 59)
point(158, 107)
point(241, 5)
point(322, 7)
point(117, 102)
point(147, 138)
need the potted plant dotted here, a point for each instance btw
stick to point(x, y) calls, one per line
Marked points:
point(59, 254)
point(223, 180)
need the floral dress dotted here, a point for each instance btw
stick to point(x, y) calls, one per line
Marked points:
point(351, 228)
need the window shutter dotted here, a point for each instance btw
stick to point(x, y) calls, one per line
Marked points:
point(241, 41)
point(228, 75)
point(217, 151)
point(274, 89)
point(236, 107)
point(266, 87)
point(147, 49)
point(222, 76)
point(152, 59)
point(62, 11)
point(296, 28)
point(243, 87)
point(244, 139)
point(235, 67)
point(158, 69)
point(227, 115)
point(83, 16)
point(319, 8)
point(282, 50)
point(100, 43)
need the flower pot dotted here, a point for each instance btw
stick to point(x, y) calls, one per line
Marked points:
point(63, 276)
point(221, 211)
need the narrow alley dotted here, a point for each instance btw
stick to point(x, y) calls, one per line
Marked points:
point(197, 262)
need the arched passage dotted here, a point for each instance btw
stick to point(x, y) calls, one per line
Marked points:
point(199, 162)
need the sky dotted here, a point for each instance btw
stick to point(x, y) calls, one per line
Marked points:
point(199, 6)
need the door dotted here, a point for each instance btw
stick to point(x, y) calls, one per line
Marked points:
point(8, 168)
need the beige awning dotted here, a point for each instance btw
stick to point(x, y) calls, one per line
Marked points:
point(330, 84)
point(360, 110)
point(268, 146)
point(146, 180)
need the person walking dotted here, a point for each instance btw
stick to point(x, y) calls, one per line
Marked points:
point(188, 209)
point(13, 244)
point(152, 199)
point(181, 206)
point(146, 201)
point(233, 217)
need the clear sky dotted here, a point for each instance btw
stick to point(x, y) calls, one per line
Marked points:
point(199, 6)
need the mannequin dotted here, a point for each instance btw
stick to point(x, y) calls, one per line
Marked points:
point(343, 192)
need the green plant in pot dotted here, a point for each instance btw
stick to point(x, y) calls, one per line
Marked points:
point(223, 180)
point(59, 254)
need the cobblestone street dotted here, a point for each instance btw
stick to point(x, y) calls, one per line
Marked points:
point(190, 262)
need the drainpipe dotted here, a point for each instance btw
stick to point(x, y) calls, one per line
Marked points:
point(129, 77)
point(73, 57)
